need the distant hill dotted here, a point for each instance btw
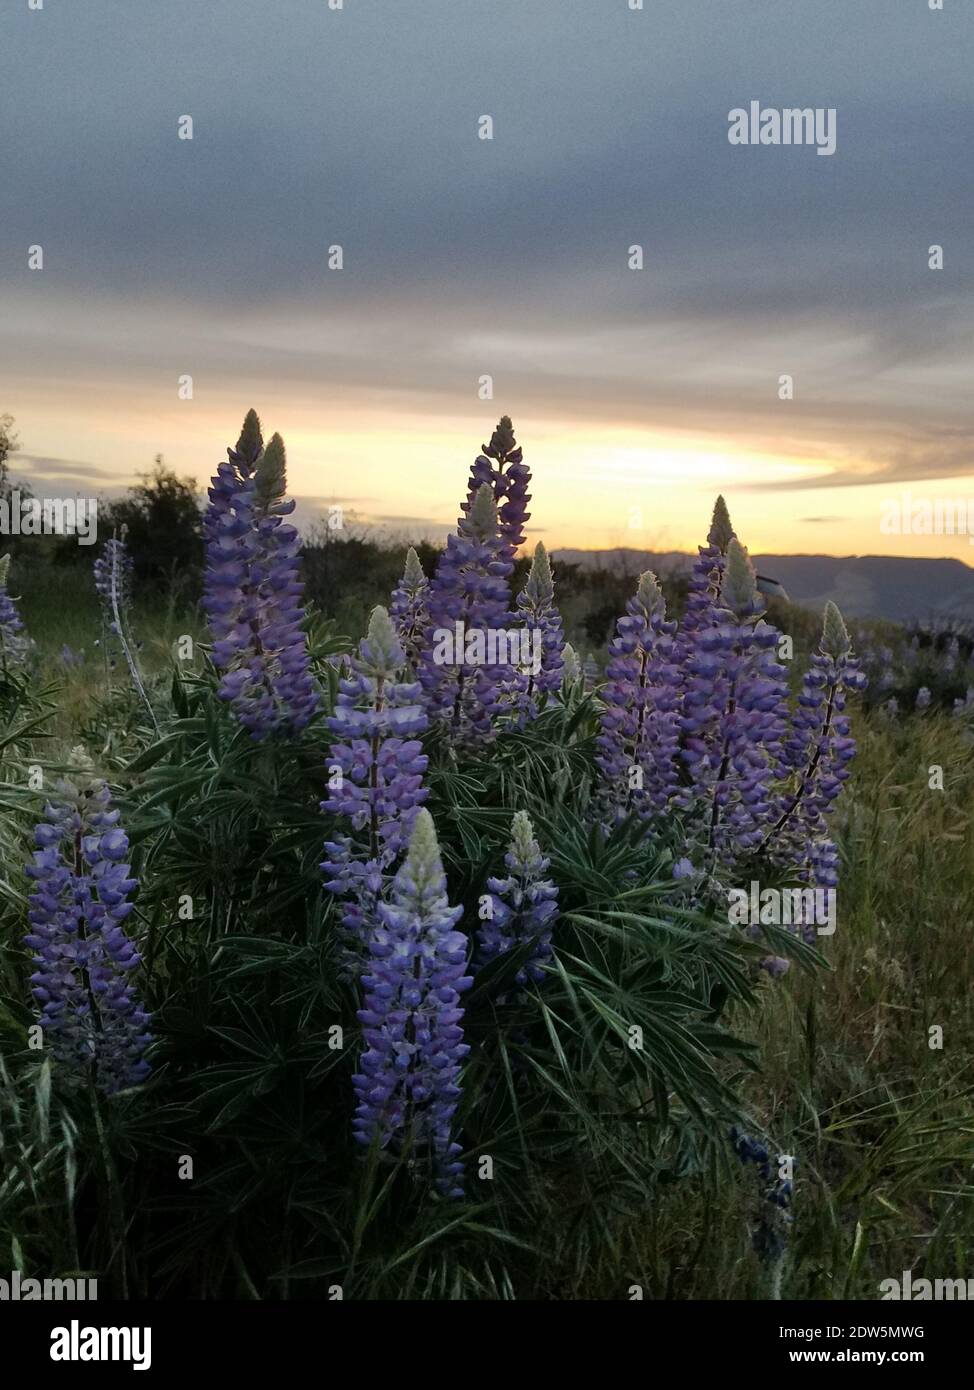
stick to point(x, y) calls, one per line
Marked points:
point(863, 586)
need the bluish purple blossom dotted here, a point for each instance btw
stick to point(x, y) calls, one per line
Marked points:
point(464, 667)
point(375, 773)
point(522, 907)
point(501, 466)
point(84, 961)
point(734, 719)
point(706, 579)
point(252, 590)
point(408, 1082)
point(639, 727)
point(410, 609)
point(113, 570)
point(819, 746)
point(776, 1190)
point(15, 645)
point(536, 678)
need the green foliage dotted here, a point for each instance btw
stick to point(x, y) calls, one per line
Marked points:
point(601, 1098)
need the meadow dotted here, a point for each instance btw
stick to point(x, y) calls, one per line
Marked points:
point(647, 1102)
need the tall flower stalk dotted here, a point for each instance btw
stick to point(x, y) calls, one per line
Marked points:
point(252, 590)
point(707, 577)
point(408, 1082)
point(114, 584)
point(820, 745)
point(536, 678)
point(522, 907)
point(639, 729)
point(501, 466)
point(410, 609)
point(463, 672)
point(15, 645)
point(84, 961)
point(734, 719)
point(375, 772)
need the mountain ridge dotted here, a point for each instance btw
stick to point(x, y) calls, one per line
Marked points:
point(895, 587)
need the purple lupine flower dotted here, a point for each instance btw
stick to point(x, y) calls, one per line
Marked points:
point(410, 608)
point(536, 678)
point(706, 577)
point(819, 746)
point(818, 871)
point(83, 959)
point(252, 590)
point(683, 868)
point(522, 907)
point(640, 723)
point(464, 666)
point(501, 466)
point(408, 1083)
point(923, 698)
point(113, 570)
point(375, 774)
point(15, 645)
point(771, 1228)
point(734, 702)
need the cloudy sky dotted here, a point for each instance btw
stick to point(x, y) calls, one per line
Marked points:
point(637, 394)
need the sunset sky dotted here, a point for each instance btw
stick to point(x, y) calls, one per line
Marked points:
point(636, 394)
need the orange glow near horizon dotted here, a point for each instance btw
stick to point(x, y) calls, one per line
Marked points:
point(594, 486)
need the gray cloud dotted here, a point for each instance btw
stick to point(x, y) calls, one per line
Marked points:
point(509, 257)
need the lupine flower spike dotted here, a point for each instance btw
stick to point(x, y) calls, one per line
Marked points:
point(522, 908)
point(734, 707)
point(84, 961)
point(15, 646)
point(410, 608)
point(501, 466)
point(463, 671)
point(537, 677)
point(408, 1083)
point(375, 774)
point(252, 590)
point(816, 756)
point(707, 576)
point(640, 724)
point(112, 571)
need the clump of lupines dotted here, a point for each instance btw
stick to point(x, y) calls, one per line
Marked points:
point(733, 719)
point(521, 908)
point(640, 724)
point(410, 608)
point(15, 645)
point(376, 771)
point(83, 958)
point(408, 1083)
point(112, 571)
point(469, 605)
point(541, 622)
point(252, 589)
point(819, 745)
point(501, 466)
